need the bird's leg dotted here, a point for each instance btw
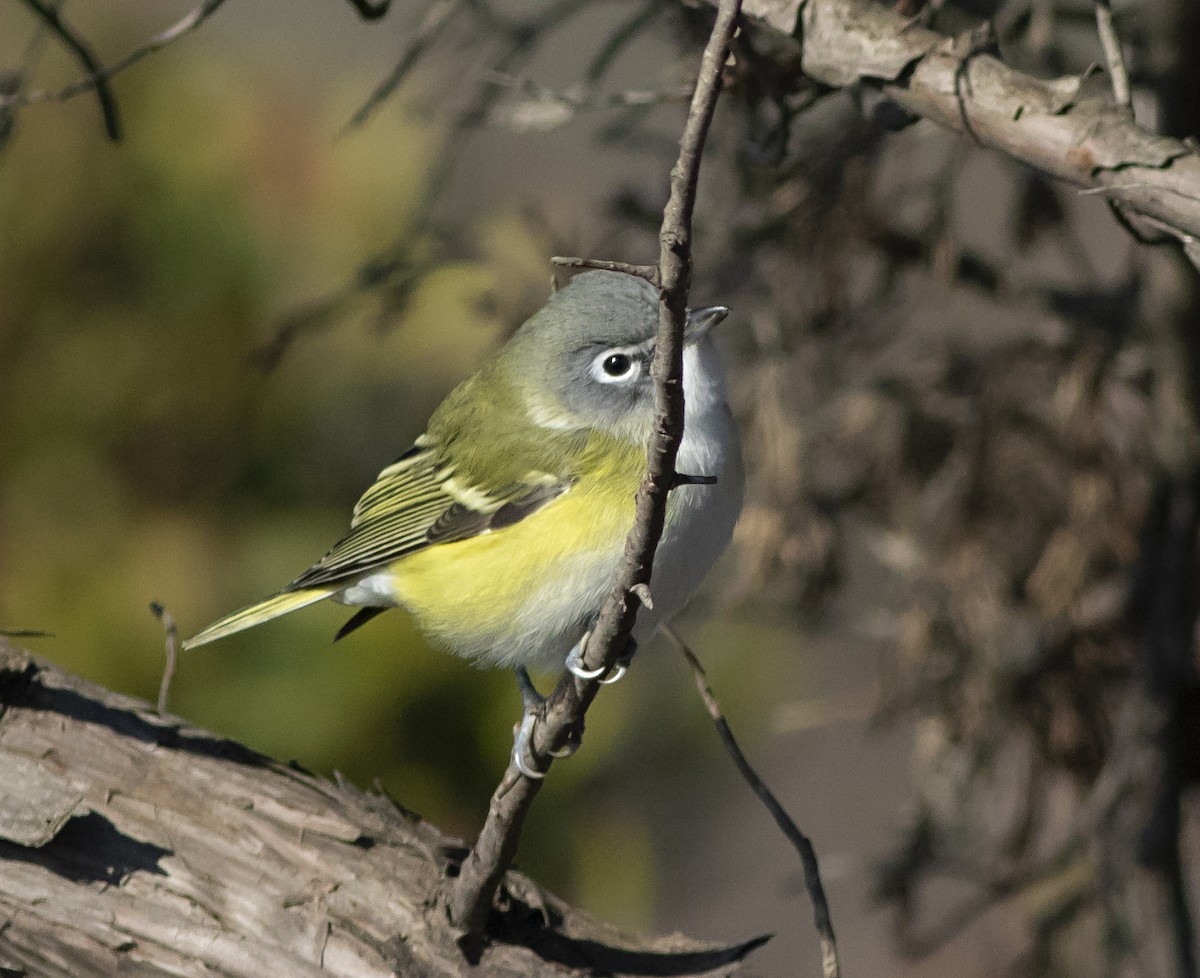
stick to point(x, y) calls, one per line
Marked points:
point(575, 661)
point(522, 753)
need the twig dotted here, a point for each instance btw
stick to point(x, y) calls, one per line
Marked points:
point(648, 272)
point(95, 70)
point(398, 269)
point(98, 76)
point(544, 108)
point(160, 612)
point(620, 38)
point(436, 18)
point(830, 966)
point(684, 479)
point(13, 81)
point(471, 893)
point(1118, 74)
point(185, 25)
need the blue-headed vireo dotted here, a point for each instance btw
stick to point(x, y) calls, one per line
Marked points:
point(503, 528)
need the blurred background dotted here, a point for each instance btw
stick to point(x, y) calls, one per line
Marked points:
point(956, 626)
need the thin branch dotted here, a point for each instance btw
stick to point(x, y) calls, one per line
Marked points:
point(648, 272)
point(98, 76)
point(830, 967)
point(544, 108)
point(172, 645)
point(619, 38)
point(399, 268)
point(185, 25)
point(435, 20)
point(83, 53)
point(684, 479)
point(13, 82)
point(1118, 74)
point(471, 894)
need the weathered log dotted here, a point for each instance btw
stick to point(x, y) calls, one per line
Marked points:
point(134, 844)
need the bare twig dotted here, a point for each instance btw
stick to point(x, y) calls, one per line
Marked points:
point(620, 38)
point(648, 272)
point(12, 82)
point(830, 966)
point(1114, 59)
point(544, 108)
point(436, 19)
point(398, 269)
point(471, 893)
point(172, 643)
point(684, 479)
point(98, 76)
point(83, 53)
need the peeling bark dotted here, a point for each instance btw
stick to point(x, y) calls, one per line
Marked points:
point(955, 82)
point(132, 843)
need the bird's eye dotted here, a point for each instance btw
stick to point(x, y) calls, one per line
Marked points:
point(617, 364)
point(616, 367)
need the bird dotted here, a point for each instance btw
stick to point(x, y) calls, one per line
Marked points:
point(501, 529)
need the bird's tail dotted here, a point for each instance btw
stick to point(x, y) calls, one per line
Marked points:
point(256, 614)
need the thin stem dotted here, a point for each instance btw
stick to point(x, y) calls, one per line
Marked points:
point(172, 646)
point(822, 919)
point(83, 53)
point(1118, 74)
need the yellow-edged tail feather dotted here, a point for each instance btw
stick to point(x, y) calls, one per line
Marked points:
point(256, 614)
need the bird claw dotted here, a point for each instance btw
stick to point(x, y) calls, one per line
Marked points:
point(575, 661)
point(576, 668)
point(571, 744)
point(620, 669)
point(522, 752)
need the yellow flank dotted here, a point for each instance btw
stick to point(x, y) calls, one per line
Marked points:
point(474, 591)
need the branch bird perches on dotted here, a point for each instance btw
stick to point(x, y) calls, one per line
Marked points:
point(470, 894)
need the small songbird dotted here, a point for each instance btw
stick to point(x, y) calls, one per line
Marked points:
point(503, 528)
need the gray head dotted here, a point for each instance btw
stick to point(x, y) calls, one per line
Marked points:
point(594, 341)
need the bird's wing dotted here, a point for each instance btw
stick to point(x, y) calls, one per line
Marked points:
point(417, 502)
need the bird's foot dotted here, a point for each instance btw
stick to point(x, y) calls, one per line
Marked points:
point(523, 757)
point(576, 668)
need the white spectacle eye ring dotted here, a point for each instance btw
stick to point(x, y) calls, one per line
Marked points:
point(616, 367)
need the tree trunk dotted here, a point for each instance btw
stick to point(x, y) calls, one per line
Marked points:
point(133, 844)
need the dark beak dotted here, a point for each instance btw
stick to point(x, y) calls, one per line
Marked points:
point(700, 321)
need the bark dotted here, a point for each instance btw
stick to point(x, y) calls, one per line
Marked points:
point(1053, 125)
point(132, 843)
